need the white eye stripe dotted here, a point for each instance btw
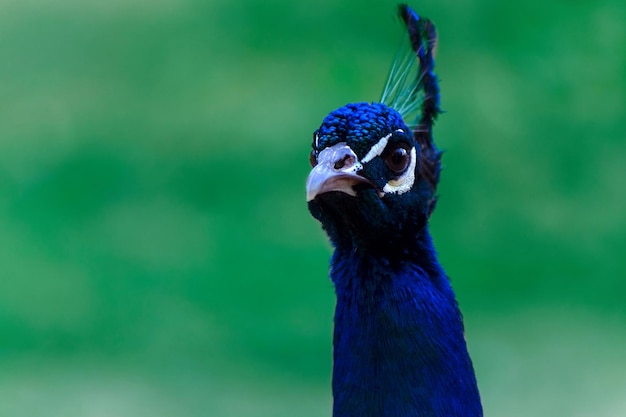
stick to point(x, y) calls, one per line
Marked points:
point(379, 147)
point(405, 182)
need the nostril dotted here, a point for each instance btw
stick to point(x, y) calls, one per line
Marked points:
point(346, 160)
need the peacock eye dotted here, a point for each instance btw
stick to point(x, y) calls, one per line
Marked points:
point(397, 159)
point(313, 158)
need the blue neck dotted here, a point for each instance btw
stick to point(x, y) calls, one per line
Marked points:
point(399, 347)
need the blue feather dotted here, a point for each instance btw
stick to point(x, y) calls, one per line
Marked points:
point(399, 346)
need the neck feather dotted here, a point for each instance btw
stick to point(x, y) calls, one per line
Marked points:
point(399, 347)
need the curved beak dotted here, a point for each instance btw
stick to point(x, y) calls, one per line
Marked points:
point(336, 170)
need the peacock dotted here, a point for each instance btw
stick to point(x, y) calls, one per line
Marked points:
point(399, 348)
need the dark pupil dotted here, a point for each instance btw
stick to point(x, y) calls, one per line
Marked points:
point(397, 160)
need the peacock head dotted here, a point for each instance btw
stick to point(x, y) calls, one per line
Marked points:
point(374, 175)
point(370, 182)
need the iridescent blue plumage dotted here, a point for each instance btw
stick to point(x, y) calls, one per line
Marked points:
point(399, 346)
point(356, 124)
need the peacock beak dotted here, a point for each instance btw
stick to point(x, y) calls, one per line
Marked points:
point(336, 170)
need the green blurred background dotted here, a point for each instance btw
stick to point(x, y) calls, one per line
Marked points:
point(156, 254)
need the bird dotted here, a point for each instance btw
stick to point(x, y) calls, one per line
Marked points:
point(399, 347)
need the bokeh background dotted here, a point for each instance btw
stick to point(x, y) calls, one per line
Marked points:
point(156, 254)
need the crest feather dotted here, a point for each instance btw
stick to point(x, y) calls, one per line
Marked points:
point(412, 90)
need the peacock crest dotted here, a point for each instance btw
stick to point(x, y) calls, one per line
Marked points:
point(412, 90)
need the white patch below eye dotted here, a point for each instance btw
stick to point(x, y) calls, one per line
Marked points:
point(405, 182)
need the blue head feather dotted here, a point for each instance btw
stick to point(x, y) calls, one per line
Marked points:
point(360, 125)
